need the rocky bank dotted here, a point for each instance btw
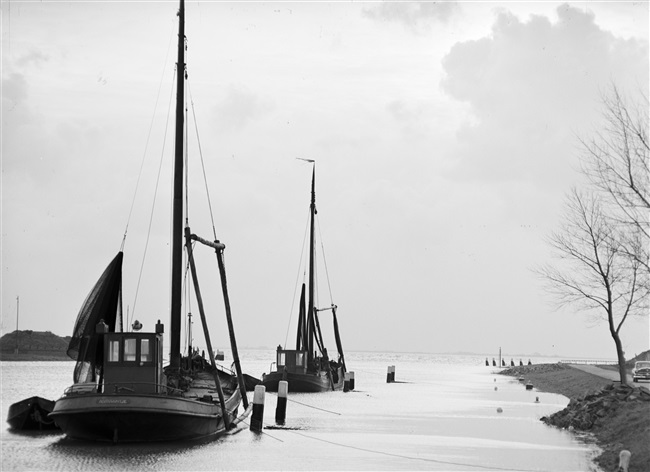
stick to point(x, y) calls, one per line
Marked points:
point(616, 416)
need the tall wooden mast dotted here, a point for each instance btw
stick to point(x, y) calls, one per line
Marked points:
point(312, 249)
point(177, 218)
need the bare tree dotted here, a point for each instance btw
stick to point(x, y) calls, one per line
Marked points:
point(594, 270)
point(604, 240)
point(617, 163)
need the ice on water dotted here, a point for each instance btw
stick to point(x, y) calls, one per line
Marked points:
point(440, 414)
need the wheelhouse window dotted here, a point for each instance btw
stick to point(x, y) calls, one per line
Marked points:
point(114, 351)
point(281, 358)
point(300, 358)
point(129, 350)
point(145, 350)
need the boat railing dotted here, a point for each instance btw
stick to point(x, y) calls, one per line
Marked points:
point(120, 388)
point(225, 370)
point(81, 388)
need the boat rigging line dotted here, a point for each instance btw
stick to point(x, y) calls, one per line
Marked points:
point(146, 146)
point(153, 203)
point(142, 161)
point(205, 179)
point(322, 247)
point(300, 269)
point(302, 253)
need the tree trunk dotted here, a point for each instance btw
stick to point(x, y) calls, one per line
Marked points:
point(620, 355)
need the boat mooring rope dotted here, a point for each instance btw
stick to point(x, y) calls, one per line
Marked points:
point(262, 432)
point(308, 406)
point(384, 453)
point(390, 454)
point(423, 459)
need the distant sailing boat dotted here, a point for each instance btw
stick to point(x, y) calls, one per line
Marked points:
point(121, 392)
point(304, 368)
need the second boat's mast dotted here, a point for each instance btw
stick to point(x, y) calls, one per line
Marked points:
point(310, 306)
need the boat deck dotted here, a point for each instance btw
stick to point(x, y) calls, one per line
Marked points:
point(203, 384)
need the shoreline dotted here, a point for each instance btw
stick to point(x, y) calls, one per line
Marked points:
point(618, 417)
point(29, 357)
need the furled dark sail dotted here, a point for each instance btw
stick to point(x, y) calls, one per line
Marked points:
point(104, 302)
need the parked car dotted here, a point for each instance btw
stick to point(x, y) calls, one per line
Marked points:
point(641, 371)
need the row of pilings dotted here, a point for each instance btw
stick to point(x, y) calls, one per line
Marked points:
point(259, 395)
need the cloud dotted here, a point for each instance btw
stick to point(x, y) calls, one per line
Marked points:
point(414, 117)
point(34, 57)
point(413, 15)
point(14, 91)
point(402, 112)
point(532, 86)
point(239, 108)
point(15, 86)
point(21, 126)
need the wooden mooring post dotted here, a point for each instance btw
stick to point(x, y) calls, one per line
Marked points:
point(257, 417)
point(390, 374)
point(281, 408)
point(624, 461)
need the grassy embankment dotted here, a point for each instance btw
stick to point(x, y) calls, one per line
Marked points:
point(33, 346)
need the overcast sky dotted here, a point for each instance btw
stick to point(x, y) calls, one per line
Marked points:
point(445, 136)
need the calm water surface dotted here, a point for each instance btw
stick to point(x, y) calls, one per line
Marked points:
point(441, 414)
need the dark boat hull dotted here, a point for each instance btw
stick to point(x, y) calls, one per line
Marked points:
point(299, 382)
point(140, 418)
point(251, 382)
point(31, 414)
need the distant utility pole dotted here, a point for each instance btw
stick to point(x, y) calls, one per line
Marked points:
point(17, 306)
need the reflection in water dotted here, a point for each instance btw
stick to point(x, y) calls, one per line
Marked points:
point(102, 456)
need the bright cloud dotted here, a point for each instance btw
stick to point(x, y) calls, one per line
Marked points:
point(532, 85)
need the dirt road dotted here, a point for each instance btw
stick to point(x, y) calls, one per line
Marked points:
point(604, 373)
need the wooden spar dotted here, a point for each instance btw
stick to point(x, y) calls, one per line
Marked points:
point(337, 337)
point(199, 300)
point(231, 329)
point(219, 247)
point(310, 306)
point(213, 244)
point(318, 335)
point(177, 217)
point(321, 344)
